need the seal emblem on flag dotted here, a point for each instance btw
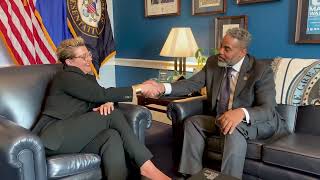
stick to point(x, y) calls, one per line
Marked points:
point(90, 20)
point(91, 10)
point(88, 16)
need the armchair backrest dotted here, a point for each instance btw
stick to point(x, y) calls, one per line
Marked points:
point(22, 91)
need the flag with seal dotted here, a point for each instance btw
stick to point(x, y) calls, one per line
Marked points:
point(89, 19)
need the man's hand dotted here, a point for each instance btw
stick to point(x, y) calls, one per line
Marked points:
point(230, 120)
point(105, 108)
point(151, 88)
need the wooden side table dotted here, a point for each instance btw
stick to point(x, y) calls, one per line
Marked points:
point(162, 101)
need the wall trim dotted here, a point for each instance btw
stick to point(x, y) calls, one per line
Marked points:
point(6, 65)
point(153, 64)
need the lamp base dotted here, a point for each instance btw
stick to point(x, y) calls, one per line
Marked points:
point(181, 61)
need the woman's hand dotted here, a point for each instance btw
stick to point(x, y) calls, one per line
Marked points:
point(105, 108)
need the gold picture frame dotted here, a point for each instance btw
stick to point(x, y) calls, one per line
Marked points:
point(253, 1)
point(223, 23)
point(156, 8)
point(208, 7)
point(307, 22)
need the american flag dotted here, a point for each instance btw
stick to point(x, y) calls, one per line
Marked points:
point(91, 8)
point(23, 33)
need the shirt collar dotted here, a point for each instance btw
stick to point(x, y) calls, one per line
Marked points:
point(237, 66)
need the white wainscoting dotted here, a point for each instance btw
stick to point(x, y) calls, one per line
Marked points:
point(153, 64)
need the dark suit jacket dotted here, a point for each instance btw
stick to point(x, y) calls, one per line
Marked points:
point(73, 93)
point(255, 91)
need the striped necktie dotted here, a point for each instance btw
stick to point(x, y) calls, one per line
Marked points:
point(224, 95)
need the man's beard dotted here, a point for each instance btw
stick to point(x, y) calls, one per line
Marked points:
point(226, 63)
point(222, 63)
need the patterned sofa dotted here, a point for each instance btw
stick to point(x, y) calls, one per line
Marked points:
point(296, 156)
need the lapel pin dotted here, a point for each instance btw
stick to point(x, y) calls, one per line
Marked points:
point(245, 78)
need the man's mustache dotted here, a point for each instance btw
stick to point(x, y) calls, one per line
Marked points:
point(220, 57)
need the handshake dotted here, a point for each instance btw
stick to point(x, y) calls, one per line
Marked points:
point(150, 88)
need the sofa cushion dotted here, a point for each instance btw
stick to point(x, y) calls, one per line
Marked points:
point(254, 149)
point(297, 81)
point(215, 148)
point(252, 167)
point(268, 171)
point(256, 170)
point(308, 120)
point(296, 151)
point(94, 174)
point(72, 164)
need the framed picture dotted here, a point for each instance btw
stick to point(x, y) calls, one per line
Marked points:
point(253, 1)
point(206, 7)
point(155, 8)
point(308, 21)
point(224, 23)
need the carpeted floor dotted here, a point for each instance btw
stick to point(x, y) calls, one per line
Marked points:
point(159, 142)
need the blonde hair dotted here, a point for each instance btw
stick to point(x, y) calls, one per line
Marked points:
point(66, 48)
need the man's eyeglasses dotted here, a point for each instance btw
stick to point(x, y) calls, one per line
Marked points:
point(85, 56)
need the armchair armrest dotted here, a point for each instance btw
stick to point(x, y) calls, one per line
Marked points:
point(138, 117)
point(22, 154)
point(179, 110)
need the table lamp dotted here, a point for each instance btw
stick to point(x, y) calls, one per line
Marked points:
point(180, 44)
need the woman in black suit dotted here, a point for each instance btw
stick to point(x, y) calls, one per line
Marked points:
point(77, 119)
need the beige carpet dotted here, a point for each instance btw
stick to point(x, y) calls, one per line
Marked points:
point(158, 116)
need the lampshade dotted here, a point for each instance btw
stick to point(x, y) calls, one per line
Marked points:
point(179, 43)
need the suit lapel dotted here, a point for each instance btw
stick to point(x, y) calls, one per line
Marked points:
point(243, 75)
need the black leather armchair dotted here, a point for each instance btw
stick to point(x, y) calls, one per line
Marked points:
point(22, 155)
point(295, 156)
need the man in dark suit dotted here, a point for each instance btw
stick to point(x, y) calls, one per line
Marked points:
point(241, 94)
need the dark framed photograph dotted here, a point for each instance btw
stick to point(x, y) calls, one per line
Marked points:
point(155, 8)
point(207, 7)
point(308, 21)
point(224, 23)
point(252, 1)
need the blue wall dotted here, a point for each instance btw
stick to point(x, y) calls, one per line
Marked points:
point(126, 76)
point(272, 25)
